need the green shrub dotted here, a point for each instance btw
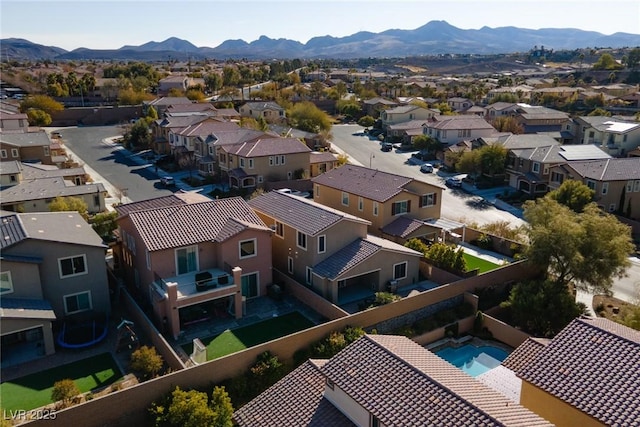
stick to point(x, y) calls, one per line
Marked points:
point(64, 391)
point(146, 361)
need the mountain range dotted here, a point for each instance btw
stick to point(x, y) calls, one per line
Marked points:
point(433, 38)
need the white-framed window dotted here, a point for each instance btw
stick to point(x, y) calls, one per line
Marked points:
point(271, 160)
point(428, 200)
point(186, 260)
point(260, 179)
point(636, 185)
point(545, 170)
point(400, 270)
point(605, 187)
point(401, 207)
point(629, 186)
point(308, 274)
point(148, 258)
point(302, 240)
point(248, 248)
point(360, 204)
point(6, 284)
point(282, 159)
point(345, 198)
point(375, 208)
point(72, 266)
point(75, 303)
point(241, 162)
point(317, 191)
point(15, 153)
point(279, 229)
point(210, 150)
point(250, 285)
point(3, 153)
point(250, 163)
point(591, 184)
point(322, 244)
point(536, 167)
point(290, 265)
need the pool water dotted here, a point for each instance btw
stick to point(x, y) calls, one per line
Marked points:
point(473, 360)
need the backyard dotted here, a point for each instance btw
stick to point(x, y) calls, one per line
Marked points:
point(234, 340)
point(33, 391)
point(482, 265)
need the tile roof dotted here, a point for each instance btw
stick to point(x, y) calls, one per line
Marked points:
point(322, 157)
point(460, 122)
point(592, 364)
point(300, 213)
point(403, 384)
point(46, 188)
point(169, 100)
point(295, 400)
point(158, 202)
point(402, 226)
point(66, 227)
point(608, 124)
point(618, 169)
point(268, 147)
point(515, 142)
point(237, 136)
point(191, 223)
point(38, 171)
point(369, 183)
point(208, 127)
point(23, 308)
point(264, 105)
point(8, 168)
point(28, 139)
point(356, 252)
point(525, 353)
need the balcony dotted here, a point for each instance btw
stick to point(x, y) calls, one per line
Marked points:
point(197, 283)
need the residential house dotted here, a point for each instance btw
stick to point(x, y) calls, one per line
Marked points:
point(321, 162)
point(616, 89)
point(405, 113)
point(382, 380)
point(500, 109)
point(450, 130)
point(405, 132)
point(557, 93)
point(522, 92)
point(53, 268)
point(162, 128)
point(330, 251)
point(616, 182)
point(374, 106)
point(459, 104)
point(251, 163)
point(582, 376)
point(180, 83)
point(385, 199)
point(314, 141)
point(194, 258)
point(270, 111)
point(33, 147)
point(452, 153)
point(535, 119)
point(161, 103)
point(615, 136)
point(13, 122)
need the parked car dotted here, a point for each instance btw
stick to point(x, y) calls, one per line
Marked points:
point(426, 168)
point(167, 181)
point(454, 181)
point(387, 146)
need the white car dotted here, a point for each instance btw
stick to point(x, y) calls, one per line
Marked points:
point(426, 168)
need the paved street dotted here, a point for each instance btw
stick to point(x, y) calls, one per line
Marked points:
point(456, 204)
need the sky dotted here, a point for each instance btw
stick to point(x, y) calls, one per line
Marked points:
point(98, 24)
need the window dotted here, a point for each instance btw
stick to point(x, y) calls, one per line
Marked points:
point(6, 285)
point(186, 260)
point(250, 285)
point(317, 191)
point(322, 244)
point(302, 240)
point(428, 200)
point(375, 208)
point(360, 203)
point(345, 198)
point(248, 248)
point(96, 200)
point(282, 160)
point(76, 303)
point(307, 276)
point(14, 152)
point(536, 167)
point(72, 266)
point(612, 207)
point(591, 184)
point(545, 170)
point(400, 271)
point(290, 265)
point(636, 185)
point(260, 179)
point(279, 229)
point(557, 177)
point(148, 258)
point(329, 383)
point(3, 154)
point(605, 187)
point(629, 186)
point(250, 163)
point(399, 208)
point(241, 162)
point(46, 151)
point(374, 421)
point(271, 161)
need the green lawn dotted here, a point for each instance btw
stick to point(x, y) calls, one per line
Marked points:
point(474, 262)
point(234, 340)
point(33, 391)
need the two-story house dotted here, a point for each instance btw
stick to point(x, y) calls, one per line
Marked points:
point(405, 113)
point(194, 259)
point(53, 268)
point(500, 109)
point(17, 122)
point(536, 119)
point(387, 200)
point(459, 104)
point(617, 137)
point(330, 251)
point(449, 130)
point(162, 128)
point(270, 111)
point(161, 103)
point(383, 380)
point(251, 163)
point(34, 147)
point(374, 106)
point(178, 82)
point(615, 182)
point(321, 162)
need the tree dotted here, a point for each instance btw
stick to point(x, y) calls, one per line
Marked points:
point(64, 390)
point(41, 102)
point(38, 117)
point(104, 224)
point(492, 159)
point(446, 257)
point(606, 62)
point(222, 407)
point(306, 116)
point(366, 121)
point(213, 82)
point(507, 124)
point(69, 204)
point(469, 163)
point(186, 409)
point(152, 114)
point(138, 137)
point(426, 143)
point(573, 194)
point(348, 107)
point(633, 59)
point(147, 361)
point(584, 249)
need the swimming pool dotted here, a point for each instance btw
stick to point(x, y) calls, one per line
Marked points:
point(473, 360)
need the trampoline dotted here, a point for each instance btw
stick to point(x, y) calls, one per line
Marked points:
point(76, 335)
